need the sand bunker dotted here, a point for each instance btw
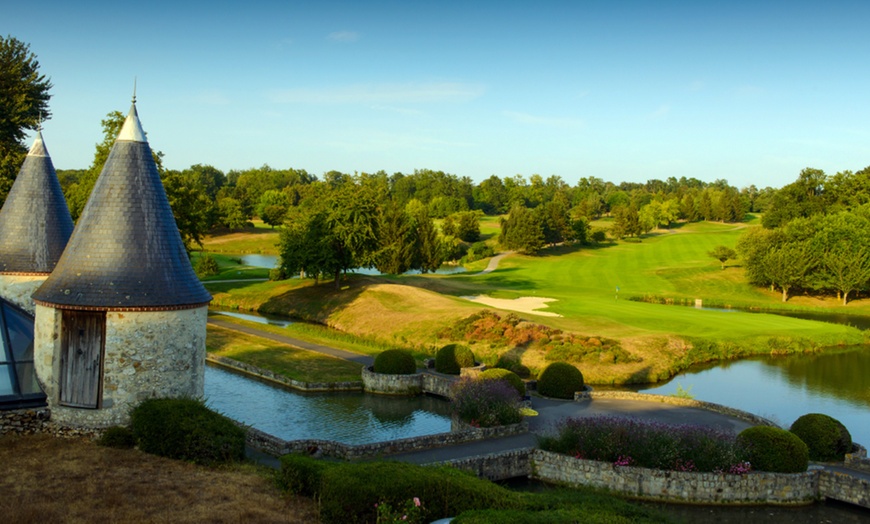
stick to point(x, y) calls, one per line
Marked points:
point(520, 305)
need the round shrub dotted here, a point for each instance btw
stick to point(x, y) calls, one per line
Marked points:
point(395, 362)
point(773, 449)
point(512, 364)
point(827, 439)
point(560, 380)
point(507, 376)
point(184, 428)
point(452, 358)
point(120, 437)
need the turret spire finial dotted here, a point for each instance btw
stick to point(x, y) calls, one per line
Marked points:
point(134, 90)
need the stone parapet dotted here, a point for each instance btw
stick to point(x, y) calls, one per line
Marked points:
point(329, 448)
point(390, 384)
point(495, 466)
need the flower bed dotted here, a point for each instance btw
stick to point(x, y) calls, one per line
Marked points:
point(635, 442)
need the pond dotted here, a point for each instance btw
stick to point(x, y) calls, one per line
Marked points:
point(784, 388)
point(260, 318)
point(270, 261)
point(351, 418)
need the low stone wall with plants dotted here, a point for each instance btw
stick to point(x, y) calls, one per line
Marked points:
point(328, 448)
point(437, 384)
point(265, 374)
point(677, 486)
point(675, 401)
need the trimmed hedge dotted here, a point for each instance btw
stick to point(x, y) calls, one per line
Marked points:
point(452, 358)
point(348, 493)
point(827, 438)
point(560, 380)
point(774, 449)
point(513, 364)
point(395, 362)
point(508, 376)
point(184, 428)
point(120, 437)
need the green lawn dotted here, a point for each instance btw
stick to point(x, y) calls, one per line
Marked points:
point(231, 268)
point(295, 363)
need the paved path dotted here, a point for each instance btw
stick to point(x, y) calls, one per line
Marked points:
point(494, 261)
point(206, 282)
point(365, 360)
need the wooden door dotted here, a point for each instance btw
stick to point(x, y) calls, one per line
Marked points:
point(81, 358)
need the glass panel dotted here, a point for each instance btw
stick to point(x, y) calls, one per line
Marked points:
point(4, 351)
point(20, 329)
point(6, 380)
point(27, 378)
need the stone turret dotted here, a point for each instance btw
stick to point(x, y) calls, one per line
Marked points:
point(35, 226)
point(122, 317)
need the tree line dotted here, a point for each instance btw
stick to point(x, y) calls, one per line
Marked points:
point(815, 237)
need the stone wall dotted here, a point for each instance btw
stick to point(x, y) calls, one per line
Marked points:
point(858, 459)
point(270, 376)
point(328, 448)
point(389, 384)
point(676, 401)
point(149, 354)
point(845, 488)
point(677, 486)
point(496, 466)
point(24, 421)
point(18, 289)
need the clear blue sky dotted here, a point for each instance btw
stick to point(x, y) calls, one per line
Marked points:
point(752, 92)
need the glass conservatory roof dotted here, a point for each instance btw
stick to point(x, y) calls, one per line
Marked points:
point(18, 385)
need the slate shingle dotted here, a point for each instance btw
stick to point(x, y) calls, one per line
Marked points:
point(35, 223)
point(125, 251)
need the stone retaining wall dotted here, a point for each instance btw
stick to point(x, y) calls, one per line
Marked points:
point(328, 448)
point(390, 384)
point(677, 486)
point(24, 421)
point(676, 401)
point(496, 466)
point(845, 488)
point(265, 374)
point(858, 459)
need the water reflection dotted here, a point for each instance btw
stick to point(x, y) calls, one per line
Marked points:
point(271, 261)
point(258, 317)
point(784, 388)
point(351, 418)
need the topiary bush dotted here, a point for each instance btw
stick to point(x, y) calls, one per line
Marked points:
point(505, 375)
point(513, 364)
point(184, 428)
point(560, 380)
point(773, 449)
point(452, 358)
point(395, 362)
point(120, 437)
point(826, 438)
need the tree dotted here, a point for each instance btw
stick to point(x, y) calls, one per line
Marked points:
point(23, 104)
point(723, 254)
point(272, 207)
point(396, 241)
point(429, 249)
point(522, 231)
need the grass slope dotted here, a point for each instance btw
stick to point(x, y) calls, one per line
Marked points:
point(410, 310)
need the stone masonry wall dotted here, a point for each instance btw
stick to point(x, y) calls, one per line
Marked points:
point(389, 384)
point(677, 486)
point(147, 355)
point(18, 289)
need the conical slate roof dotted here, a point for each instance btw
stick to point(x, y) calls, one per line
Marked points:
point(35, 223)
point(126, 252)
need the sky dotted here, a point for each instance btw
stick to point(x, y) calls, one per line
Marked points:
point(751, 92)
